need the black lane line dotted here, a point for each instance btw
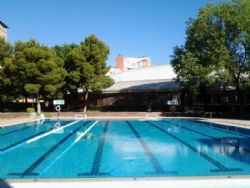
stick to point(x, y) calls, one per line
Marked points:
point(221, 167)
point(17, 130)
point(25, 139)
point(98, 155)
point(29, 170)
point(214, 126)
point(32, 167)
point(219, 140)
point(147, 150)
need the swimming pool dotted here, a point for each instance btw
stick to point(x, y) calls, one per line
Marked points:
point(122, 148)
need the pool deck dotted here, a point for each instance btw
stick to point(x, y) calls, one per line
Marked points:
point(8, 119)
point(183, 182)
point(15, 118)
point(233, 122)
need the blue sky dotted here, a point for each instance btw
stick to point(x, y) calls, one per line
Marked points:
point(130, 27)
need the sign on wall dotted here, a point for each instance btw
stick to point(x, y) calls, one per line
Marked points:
point(133, 63)
point(59, 102)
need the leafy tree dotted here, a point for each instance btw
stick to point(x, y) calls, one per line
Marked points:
point(40, 70)
point(8, 83)
point(216, 52)
point(30, 69)
point(86, 66)
point(63, 51)
point(234, 19)
point(5, 50)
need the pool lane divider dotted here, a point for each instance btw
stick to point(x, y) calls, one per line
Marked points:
point(218, 140)
point(221, 167)
point(34, 165)
point(156, 164)
point(98, 155)
point(31, 138)
point(85, 132)
point(68, 148)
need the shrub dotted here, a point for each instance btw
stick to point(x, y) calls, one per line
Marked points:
point(30, 110)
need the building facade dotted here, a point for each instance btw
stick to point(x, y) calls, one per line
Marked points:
point(127, 63)
point(3, 30)
point(139, 89)
point(152, 88)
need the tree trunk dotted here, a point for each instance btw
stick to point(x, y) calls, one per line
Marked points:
point(205, 99)
point(224, 101)
point(1, 105)
point(85, 99)
point(203, 91)
point(182, 100)
point(239, 98)
point(38, 106)
point(25, 97)
point(26, 100)
point(190, 98)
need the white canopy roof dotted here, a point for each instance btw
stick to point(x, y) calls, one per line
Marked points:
point(148, 73)
point(155, 78)
point(141, 86)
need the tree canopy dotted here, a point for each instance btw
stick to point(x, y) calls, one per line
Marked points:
point(6, 93)
point(86, 66)
point(30, 69)
point(217, 48)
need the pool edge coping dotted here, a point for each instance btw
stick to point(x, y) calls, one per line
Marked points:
point(130, 179)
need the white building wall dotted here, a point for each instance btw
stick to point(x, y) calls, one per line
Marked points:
point(3, 32)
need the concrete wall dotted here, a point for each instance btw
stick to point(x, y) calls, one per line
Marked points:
point(119, 62)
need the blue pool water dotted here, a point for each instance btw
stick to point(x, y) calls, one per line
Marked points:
point(124, 148)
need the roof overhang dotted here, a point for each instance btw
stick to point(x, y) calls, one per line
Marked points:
point(4, 25)
point(143, 86)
